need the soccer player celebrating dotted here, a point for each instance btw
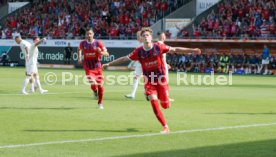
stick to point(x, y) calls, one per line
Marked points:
point(92, 50)
point(138, 71)
point(151, 59)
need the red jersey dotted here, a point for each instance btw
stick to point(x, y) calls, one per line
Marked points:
point(92, 57)
point(151, 60)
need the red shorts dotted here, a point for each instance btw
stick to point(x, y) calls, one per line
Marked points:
point(95, 75)
point(160, 89)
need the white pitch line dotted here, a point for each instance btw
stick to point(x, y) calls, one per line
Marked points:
point(106, 91)
point(135, 136)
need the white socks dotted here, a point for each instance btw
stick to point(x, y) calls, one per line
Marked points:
point(26, 81)
point(134, 87)
point(37, 82)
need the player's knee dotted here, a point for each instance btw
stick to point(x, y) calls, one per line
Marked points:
point(165, 104)
point(152, 97)
point(31, 80)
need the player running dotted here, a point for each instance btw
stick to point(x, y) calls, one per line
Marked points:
point(138, 71)
point(155, 82)
point(31, 55)
point(92, 50)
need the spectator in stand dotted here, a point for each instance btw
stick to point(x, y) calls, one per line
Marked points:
point(15, 33)
point(273, 63)
point(183, 33)
point(196, 32)
point(253, 64)
point(224, 63)
point(231, 67)
point(265, 60)
point(182, 63)
point(168, 34)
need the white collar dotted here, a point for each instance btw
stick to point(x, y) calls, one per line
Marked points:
point(149, 48)
point(90, 42)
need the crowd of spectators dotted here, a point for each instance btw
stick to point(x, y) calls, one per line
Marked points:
point(237, 19)
point(116, 19)
point(220, 63)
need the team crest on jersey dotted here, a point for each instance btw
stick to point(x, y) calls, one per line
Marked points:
point(155, 53)
point(90, 54)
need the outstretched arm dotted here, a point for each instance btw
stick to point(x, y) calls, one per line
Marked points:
point(116, 61)
point(184, 50)
point(40, 41)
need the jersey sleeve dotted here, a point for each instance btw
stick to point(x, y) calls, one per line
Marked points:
point(133, 55)
point(101, 46)
point(164, 48)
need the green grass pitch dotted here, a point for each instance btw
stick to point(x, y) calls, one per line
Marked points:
point(237, 120)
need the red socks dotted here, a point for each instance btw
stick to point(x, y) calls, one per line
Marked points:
point(100, 94)
point(158, 112)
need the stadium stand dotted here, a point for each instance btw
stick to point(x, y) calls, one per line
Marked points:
point(110, 18)
point(236, 19)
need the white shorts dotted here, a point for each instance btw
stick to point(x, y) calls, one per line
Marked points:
point(265, 61)
point(31, 69)
point(138, 71)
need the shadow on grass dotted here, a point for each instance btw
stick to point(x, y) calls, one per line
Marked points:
point(88, 130)
point(244, 113)
point(265, 148)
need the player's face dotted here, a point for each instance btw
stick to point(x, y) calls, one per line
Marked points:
point(89, 35)
point(18, 40)
point(36, 40)
point(146, 37)
point(162, 37)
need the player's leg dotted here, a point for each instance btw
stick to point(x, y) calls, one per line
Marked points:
point(167, 78)
point(163, 93)
point(260, 67)
point(32, 85)
point(99, 80)
point(134, 87)
point(93, 84)
point(266, 67)
point(25, 83)
point(38, 84)
point(137, 73)
point(151, 92)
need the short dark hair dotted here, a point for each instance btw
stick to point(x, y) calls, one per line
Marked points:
point(146, 29)
point(16, 37)
point(161, 32)
point(90, 29)
point(35, 37)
